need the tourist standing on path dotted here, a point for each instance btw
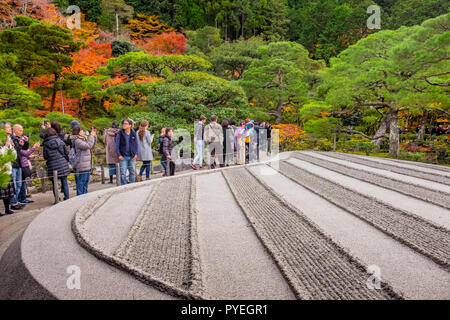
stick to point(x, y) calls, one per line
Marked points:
point(145, 149)
point(232, 141)
point(57, 157)
point(160, 150)
point(225, 129)
point(239, 144)
point(167, 151)
point(26, 171)
point(65, 138)
point(7, 193)
point(199, 141)
point(83, 153)
point(111, 155)
point(20, 142)
point(127, 149)
point(214, 139)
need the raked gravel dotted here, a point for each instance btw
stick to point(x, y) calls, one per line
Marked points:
point(160, 242)
point(433, 196)
point(420, 166)
point(406, 171)
point(315, 266)
point(431, 240)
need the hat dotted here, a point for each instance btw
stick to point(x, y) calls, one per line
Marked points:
point(74, 123)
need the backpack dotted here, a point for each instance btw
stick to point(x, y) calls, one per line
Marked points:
point(74, 158)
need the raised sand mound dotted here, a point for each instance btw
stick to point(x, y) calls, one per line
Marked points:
point(305, 227)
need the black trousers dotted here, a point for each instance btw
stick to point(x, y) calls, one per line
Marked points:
point(6, 203)
point(171, 168)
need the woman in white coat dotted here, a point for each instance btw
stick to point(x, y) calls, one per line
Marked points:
point(145, 155)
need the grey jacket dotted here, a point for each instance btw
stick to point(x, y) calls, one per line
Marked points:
point(110, 143)
point(198, 131)
point(213, 133)
point(145, 147)
point(85, 163)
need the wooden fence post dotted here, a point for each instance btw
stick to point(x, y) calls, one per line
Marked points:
point(103, 173)
point(118, 174)
point(56, 186)
point(334, 141)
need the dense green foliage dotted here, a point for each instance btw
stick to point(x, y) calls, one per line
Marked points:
point(6, 156)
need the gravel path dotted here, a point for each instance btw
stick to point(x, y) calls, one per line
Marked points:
point(413, 172)
point(431, 240)
point(424, 167)
point(235, 264)
point(406, 270)
point(160, 242)
point(419, 164)
point(431, 185)
point(315, 266)
point(428, 195)
point(98, 227)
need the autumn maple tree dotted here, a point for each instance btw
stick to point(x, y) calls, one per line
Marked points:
point(164, 43)
point(147, 27)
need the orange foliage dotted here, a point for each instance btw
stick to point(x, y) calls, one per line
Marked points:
point(87, 60)
point(87, 33)
point(141, 79)
point(290, 134)
point(165, 43)
point(117, 79)
point(44, 84)
point(146, 27)
point(39, 9)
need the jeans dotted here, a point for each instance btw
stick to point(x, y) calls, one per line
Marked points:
point(199, 147)
point(83, 182)
point(130, 165)
point(164, 165)
point(17, 179)
point(112, 169)
point(23, 192)
point(147, 168)
point(64, 187)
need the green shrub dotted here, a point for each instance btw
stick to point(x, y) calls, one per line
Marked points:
point(102, 123)
point(365, 146)
point(412, 156)
point(64, 120)
point(324, 144)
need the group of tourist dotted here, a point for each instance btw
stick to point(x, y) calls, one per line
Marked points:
point(67, 153)
point(56, 145)
point(229, 143)
point(126, 146)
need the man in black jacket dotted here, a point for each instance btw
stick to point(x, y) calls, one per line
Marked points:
point(20, 142)
point(127, 150)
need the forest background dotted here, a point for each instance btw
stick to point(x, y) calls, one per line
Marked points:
point(312, 68)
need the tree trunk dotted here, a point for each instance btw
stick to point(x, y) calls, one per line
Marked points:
point(279, 111)
point(80, 109)
point(394, 137)
point(422, 125)
point(117, 24)
point(62, 101)
point(381, 130)
point(52, 105)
